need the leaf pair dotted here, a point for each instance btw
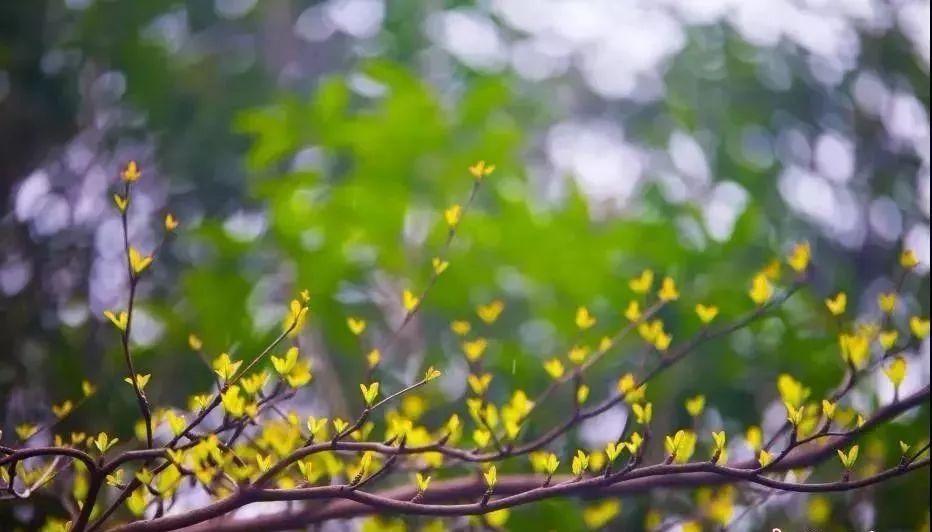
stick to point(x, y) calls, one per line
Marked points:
point(848, 459)
point(369, 393)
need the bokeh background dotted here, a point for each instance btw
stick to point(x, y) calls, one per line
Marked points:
point(315, 144)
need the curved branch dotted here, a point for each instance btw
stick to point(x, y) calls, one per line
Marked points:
point(518, 490)
point(22, 454)
point(522, 489)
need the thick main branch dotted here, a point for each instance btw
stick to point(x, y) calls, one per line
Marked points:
point(445, 497)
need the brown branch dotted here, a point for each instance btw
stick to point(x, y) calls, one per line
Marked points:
point(141, 399)
point(517, 490)
point(522, 489)
point(22, 454)
point(135, 483)
point(543, 440)
point(434, 276)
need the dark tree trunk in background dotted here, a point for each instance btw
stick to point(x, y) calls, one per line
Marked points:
point(36, 112)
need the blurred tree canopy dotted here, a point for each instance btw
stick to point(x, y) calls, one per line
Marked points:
point(315, 145)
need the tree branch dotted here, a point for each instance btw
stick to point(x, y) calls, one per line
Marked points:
point(522, 489)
